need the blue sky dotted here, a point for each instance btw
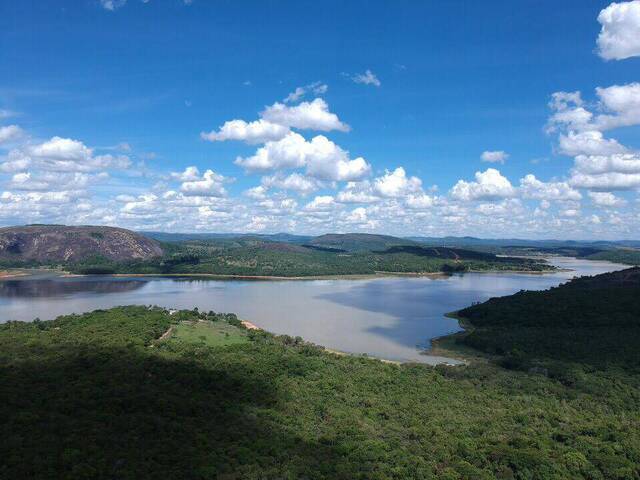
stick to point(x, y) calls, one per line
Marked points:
point(110, 113)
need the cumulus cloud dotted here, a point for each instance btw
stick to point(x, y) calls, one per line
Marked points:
point(65, 154)
point(259, 131)
point(10, 133)
point(619, 36)
point(396, 184)
point(324, 159)
point(320, 203)
point(16, 161)
point(489, 185)
point(188, 175)
point(531, 187)
point(211, 184)
point(313, 115)
point(357, 192)
point(569, 112)
point(295, 182)
point(621, 104)
point(497, 156)
point(257, 193)
point(366, 78)
point(589, 142)
point(606, 199)
point(420, 201)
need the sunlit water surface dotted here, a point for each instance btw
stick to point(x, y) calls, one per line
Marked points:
point(389, 317)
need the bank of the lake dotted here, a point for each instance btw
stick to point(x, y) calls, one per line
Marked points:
point(390, 317)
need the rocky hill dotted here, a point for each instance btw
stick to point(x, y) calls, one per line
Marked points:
point(59, 243)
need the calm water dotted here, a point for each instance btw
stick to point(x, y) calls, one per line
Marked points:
point(385, 317)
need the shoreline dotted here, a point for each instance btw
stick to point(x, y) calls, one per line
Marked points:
point(353, 276)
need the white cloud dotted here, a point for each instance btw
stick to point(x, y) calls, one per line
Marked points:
point(619, 36)
point(497, 156)
point(68, 155)
point(313, 115)
point(606, 199)
point(588, 142)
point(54, 181)
point(569, 112)
point(508, 207)
point(211, 184)
point(531, 187)
point(190, 174)
point(10, 133)
point(570, 212)
point(112, 5)
point(489, 185)
point(606, 181)
point(620, 163)
point(16, 161)
point(259, 131)
point(357, 192)
point(289, 152)
point(622, 102)
point(320, 203)
point(324, 159)
point(396, 184)
point(256, 193)
point(420, 201)
point(366, 78)
point(296, 182)
point(317, 88)
point(327, 161)
point(4, 113)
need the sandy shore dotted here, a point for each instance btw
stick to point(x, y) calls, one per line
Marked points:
point(5, 274)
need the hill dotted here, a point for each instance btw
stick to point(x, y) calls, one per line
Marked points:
point(106, 250)
point(358, 242)
point(181, 237)
point(43, 244)
point(140, 393)
point(592, 320)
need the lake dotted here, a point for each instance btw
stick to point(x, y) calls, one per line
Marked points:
point(387, 317)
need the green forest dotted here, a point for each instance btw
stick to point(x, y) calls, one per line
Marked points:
point(249, 256)
point(141, 392)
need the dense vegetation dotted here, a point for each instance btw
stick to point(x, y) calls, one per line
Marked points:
point(628, 256)
point(252, 256)
point(589, 320)
point(101, 396)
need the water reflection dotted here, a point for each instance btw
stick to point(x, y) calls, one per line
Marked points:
point(385, 317)
point(58, 287)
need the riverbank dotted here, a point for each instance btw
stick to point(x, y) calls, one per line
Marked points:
point(449, 345)
point(8, 274)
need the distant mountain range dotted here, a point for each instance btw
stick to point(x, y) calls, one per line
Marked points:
point(59, 244)
point(519, 242)
point(386, 240)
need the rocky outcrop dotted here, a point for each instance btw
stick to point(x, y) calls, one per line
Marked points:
point(62, 244)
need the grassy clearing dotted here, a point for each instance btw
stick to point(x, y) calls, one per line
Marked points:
point(211, 334)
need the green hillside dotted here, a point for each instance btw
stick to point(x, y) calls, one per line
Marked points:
point(591, 320)
point(119, 394)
